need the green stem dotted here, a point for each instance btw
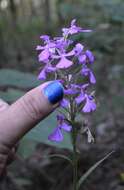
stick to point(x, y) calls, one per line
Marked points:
point(74, 139)
point(75, 161)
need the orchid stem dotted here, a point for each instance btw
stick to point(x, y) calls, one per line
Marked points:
point(74, 140)
point(75, 161)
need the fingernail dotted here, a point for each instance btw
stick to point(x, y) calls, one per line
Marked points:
point(54, 92)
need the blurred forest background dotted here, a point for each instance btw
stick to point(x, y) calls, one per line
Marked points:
point(21, 24)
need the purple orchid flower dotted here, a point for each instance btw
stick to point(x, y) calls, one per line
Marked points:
point(87, 72)
point(44, 71)
point(73, 29)
point(78, 49)
point(64, 62)
point(57, 134)
point(42, 75)
point(46, 51)
point(81, 97)
point(90, 56)
point(90, 105)
point(45, 38)
point(79, 53)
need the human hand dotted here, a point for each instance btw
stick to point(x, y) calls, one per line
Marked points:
point(17, 119)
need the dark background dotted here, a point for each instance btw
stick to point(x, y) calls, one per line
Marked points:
point(21, 24)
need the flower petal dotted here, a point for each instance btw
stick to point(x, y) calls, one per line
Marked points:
point(56, 136)
point(73, 22)
point(50, 69)
point(42, 75)
point(70, 91)
point(85, 71)
point(39, 47)
point(92, 78)
point(78, 48)
point(70, 53)
point(45, 38)
point(82, 58)
point(90, 56)
point(60, 117)
point(80, 98)
point(89, 106)
point(66, 127)
point(85, 30)
point(44, 55)
point(64, 63)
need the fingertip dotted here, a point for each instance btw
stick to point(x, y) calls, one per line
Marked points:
point(54, 91)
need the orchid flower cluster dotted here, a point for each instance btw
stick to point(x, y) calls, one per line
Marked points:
point(69, 63)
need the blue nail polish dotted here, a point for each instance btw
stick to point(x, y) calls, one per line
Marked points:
point(54, 92)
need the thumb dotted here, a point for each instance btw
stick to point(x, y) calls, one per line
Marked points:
point(25, 113)
point(3, 105)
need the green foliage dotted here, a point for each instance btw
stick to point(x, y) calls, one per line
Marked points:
point(17, 79)
point(11, 94)
point(26, 147)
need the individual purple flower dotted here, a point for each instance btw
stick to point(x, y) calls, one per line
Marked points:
point(57, 134)
point(78, 49)
point(82, 58)
point(81, 97)
point(44, 71)
point(87, 72)
point(79, 53)
point(73, 29)
point(64, 62)
point(90, 105)
point(46, 38)
point(46, 51)
point(90, 56)
point(42, 75)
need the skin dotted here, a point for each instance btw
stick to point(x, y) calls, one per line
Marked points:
point(16, 120)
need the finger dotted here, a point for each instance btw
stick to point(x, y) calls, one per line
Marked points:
point(3, 105)
point(21, 116)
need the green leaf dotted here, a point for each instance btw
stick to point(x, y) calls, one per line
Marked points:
point(26, 147)
point(86, 175)
point(61, 156)
point(18, 79)
point(11, 95)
